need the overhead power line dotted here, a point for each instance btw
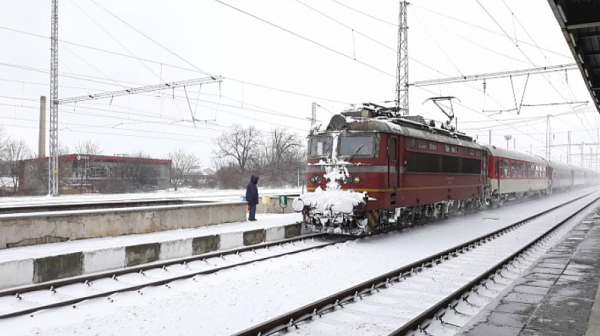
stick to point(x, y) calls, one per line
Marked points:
point(267, 87)
point(306, 39)
point(143, 89)
point(495, 75)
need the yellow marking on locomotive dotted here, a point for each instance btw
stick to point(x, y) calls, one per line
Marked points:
point(373, 219)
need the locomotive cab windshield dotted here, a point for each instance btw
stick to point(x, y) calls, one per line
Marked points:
point(357, 145)
point(320, 146)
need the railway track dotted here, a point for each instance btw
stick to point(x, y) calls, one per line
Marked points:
point(437, 294)
point(70, 291)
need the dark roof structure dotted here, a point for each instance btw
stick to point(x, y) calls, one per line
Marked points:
point(579, 21)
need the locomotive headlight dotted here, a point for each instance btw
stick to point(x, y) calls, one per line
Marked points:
point(318, 178)
point(356, 179)
point(348, 179)
point(312, 179)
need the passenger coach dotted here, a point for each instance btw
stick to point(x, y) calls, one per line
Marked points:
point(516, 175)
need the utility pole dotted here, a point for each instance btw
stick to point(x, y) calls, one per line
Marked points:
point(548, 139)
point(313, 118)
point(515, 144)
point(402, 69)
point(53, 138)
point(569, 149)
point(507, 138)
point(42, 129)
point(531, 149)
point(490, 137)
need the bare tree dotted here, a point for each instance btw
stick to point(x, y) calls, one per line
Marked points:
point(15, 151)
point(182, 164)
point(240, 145)
point(63, 149)
point(88, 147)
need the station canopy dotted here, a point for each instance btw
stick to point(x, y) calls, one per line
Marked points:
point(579, 21)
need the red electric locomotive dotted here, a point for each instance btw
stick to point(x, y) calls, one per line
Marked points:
point(406, 169)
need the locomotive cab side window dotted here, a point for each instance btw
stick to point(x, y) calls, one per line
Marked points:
point(422, 144)
point(410, 143)
point(432, 146)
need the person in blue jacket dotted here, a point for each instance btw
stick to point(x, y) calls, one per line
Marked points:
point(252, 197)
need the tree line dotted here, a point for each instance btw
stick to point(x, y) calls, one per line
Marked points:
point(278, 157)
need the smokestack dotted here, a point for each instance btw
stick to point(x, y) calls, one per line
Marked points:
point(42, 136)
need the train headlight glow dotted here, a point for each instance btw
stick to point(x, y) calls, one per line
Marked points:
point(312, 179)
point(356, 179)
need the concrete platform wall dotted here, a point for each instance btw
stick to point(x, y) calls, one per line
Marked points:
point(273, 206)
point(30, 271)
point(57, 226)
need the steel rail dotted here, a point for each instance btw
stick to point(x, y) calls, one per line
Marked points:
point(339, 299)
point(145, 267)
point(432, 312)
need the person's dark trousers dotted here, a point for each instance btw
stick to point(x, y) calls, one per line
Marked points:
point(252, 212)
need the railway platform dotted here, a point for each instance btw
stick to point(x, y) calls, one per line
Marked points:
point(557, 296)
point(45, 262)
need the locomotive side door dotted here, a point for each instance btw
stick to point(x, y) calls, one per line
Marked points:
point(392, 162)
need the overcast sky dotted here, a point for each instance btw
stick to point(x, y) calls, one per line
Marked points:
point(272, 76)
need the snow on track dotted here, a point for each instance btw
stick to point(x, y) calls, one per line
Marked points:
point(233, 300)
point(387, 310)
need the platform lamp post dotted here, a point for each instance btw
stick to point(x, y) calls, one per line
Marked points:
point(507, 138)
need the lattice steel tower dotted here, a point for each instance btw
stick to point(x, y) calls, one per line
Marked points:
point(53, 143)
point(402, 70)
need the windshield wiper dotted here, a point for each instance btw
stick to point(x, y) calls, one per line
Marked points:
point(359, 148)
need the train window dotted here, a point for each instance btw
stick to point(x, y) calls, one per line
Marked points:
point(478, 153)
point(410, 142)
point(498, 168)
point(417, 162)
point(357, 145)
point(422, 144)
point(446, 148)
point(513, 166)
point(470, 166)
point(320, 146)
point(432, 146)
point(501, 168)
point(518, 169)
point(506, 169)
point(465, 151)
point(392, 148)
point(454, 149)
point(472, 152)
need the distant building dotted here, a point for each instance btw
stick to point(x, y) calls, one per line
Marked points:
point(82, 173)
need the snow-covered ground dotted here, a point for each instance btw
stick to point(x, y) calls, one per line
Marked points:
point(182, 193)
point(264, 221)
point(235, 299)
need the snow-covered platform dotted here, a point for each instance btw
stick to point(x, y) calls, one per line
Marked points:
point(40, 220)
point(557, 296)
point(40, 263)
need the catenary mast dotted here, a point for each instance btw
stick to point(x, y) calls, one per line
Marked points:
point(402, 70)
point(53, 143)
